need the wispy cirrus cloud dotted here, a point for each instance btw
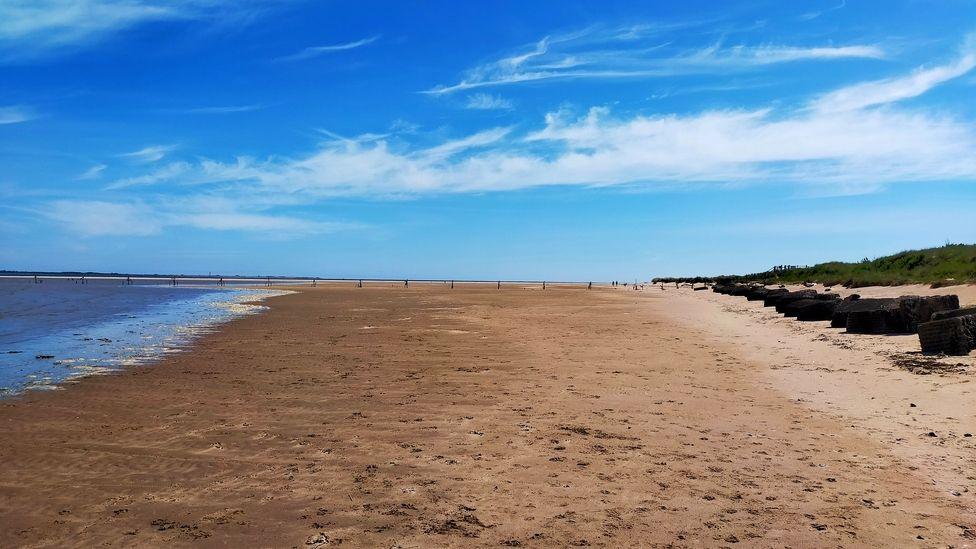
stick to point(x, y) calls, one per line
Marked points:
point(52, 22)
point(15, 114)
point(238, 221)
point(811, 15)
point(315, 51)
point(94, 218)
point(487, 102)
point(616, 53)
point(890, 90)
point(856, 149)
point(166, 173)
point(225, 109)
point(93, 172)
point(152, 153)
point(29, 28)
point(99, 218)
point(447, 149)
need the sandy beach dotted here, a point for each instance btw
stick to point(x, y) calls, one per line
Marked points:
point(424, 416)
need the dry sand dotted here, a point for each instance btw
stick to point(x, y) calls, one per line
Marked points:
point(427, 417)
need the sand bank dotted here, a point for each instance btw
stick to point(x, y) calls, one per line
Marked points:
point(429, 417)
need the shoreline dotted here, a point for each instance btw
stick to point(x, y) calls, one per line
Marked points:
point(426, 416)
point(118, 336)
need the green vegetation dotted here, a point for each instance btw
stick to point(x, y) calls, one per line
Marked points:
point(949, 264)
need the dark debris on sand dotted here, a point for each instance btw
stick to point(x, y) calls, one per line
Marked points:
point(920, 364)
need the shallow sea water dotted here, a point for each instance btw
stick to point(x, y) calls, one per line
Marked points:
point(61, 329)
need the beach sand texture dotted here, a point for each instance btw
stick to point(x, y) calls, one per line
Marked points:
point(425, 416)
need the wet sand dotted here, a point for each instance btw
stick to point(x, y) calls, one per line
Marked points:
point(426, 417)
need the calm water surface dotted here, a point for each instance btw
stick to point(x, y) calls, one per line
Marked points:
point(61, 329)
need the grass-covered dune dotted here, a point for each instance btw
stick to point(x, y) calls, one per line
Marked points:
point(949, 264)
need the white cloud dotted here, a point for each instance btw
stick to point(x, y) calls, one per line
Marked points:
point(404, 126)
point(854, 148)
point(30, 28)
point(70, 20)
point(228, 109)
point(100, 218)
point(810, 15)
point(361, 138)
point(316, 51)
point(165, 173)
point(456, 146)
point(153, 153)
point(746, 56)
point(487, 102)
point(890, 90)
point(93, 172)
point(851, 150)
point(235, 221)
point(14, 114)
point(97, 218)
point(614, 53)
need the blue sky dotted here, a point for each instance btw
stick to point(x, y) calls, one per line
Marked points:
point(556, 140)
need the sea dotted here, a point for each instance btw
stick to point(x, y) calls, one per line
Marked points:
point(58, 330)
